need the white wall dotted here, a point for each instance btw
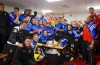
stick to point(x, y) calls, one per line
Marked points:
point(10, 9)
point(73, 17)
point(69, 17)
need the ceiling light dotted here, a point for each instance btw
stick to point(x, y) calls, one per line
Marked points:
point(95, 7)
point(46, 11)
point(53, 0)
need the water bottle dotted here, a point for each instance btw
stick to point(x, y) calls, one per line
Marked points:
point(63, 42)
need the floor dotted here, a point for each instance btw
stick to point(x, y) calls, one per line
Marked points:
point(74, 62)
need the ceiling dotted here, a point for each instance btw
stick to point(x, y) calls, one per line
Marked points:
point(61, 7)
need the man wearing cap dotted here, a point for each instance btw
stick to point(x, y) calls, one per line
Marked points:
point(23, 16)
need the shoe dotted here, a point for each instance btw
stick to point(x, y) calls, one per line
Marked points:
point(72, 58)
point(86, 63)
point(80, 56)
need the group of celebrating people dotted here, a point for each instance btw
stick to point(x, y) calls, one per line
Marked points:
point(21, 33)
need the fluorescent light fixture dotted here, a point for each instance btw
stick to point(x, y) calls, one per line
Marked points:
point(95, 7)
point(53, 0)
point(46, 11)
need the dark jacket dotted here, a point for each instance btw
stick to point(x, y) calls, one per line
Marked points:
point(23, 54)
point(17, 35)
point(4, 22)
point(70, 37)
